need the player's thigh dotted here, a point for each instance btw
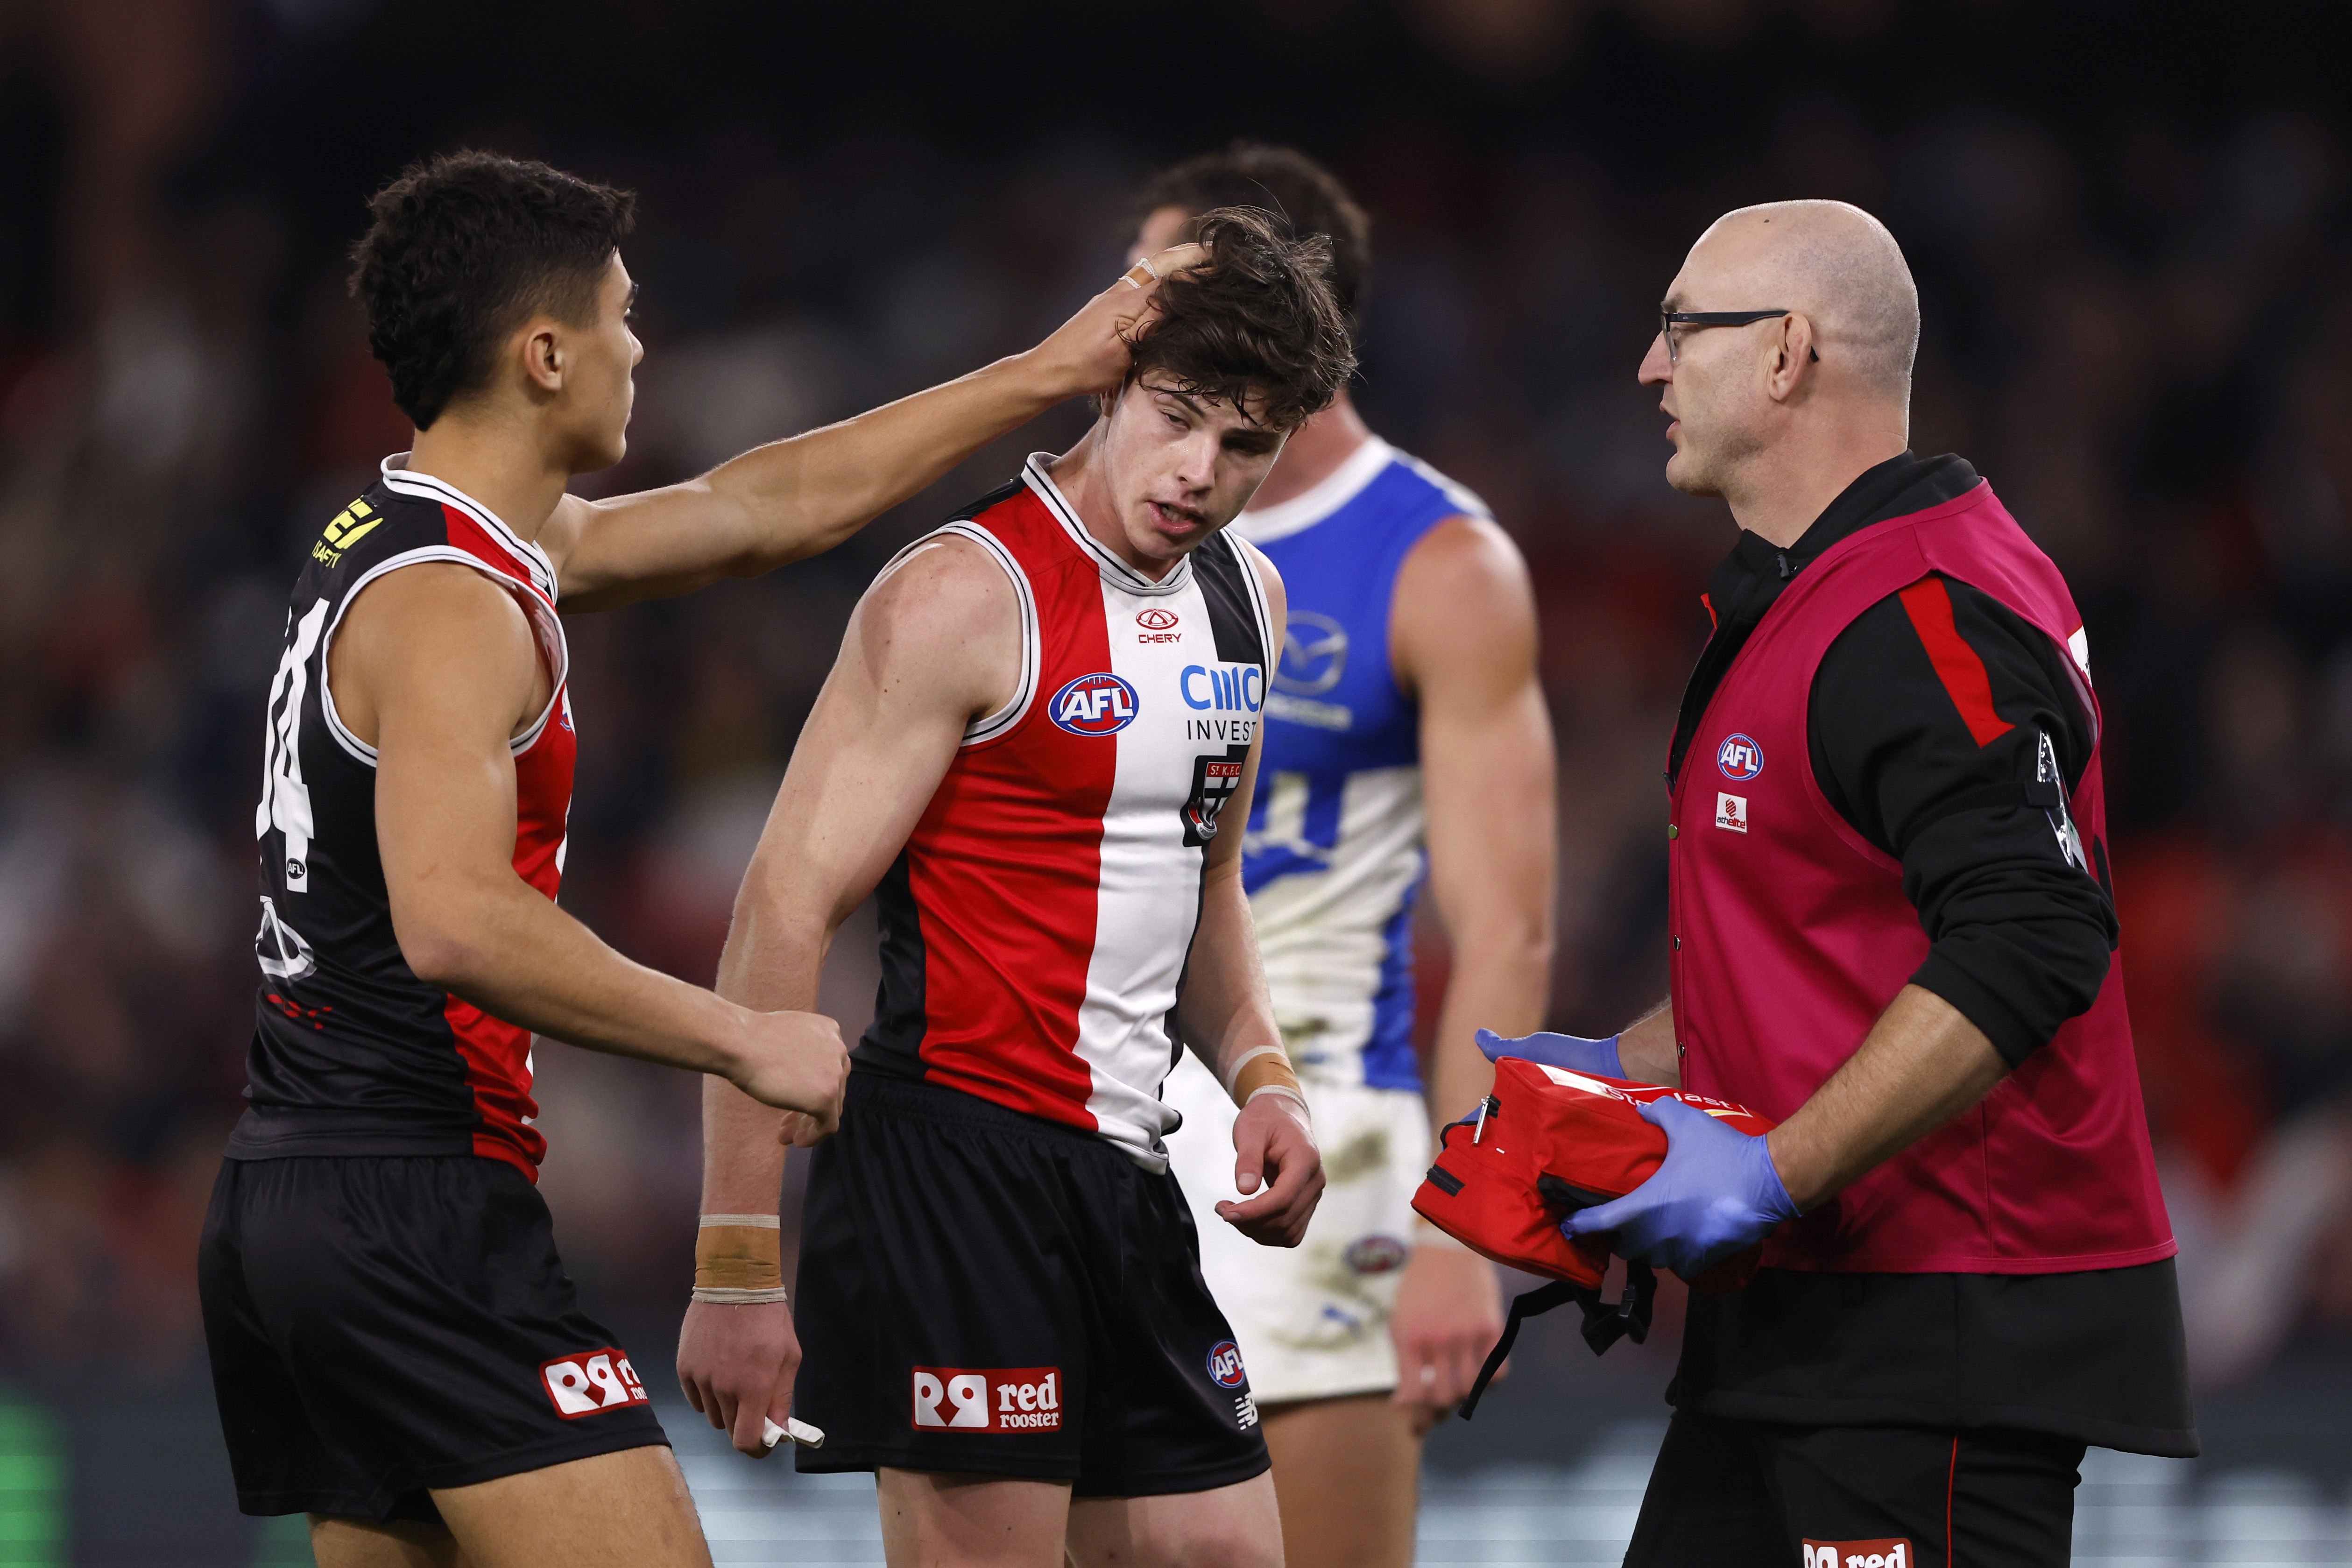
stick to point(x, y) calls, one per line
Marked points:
point(975, 1521)
point(1348, 1472)
point(629, 1508)
point(1235, 1526)
point(340, 1542)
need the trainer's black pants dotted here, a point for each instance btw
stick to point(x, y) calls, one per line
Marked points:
point(1745, 1494)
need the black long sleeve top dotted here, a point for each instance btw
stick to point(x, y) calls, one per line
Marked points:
point(1907, 750)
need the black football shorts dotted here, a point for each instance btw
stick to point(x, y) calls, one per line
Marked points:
point(379, 1325)
point(1750, 1494)
point(987, 1292)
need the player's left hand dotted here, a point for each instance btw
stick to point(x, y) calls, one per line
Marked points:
point(1449, 1313)
point(1274, 1144)
point(736, 1365)
point(1718, 1194)
point(1090, 352)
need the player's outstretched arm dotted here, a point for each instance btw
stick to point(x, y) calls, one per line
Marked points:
point(436, 667)
point(934, 644)
point(1463, 638)
point(800, 497)
point(1227, 1018)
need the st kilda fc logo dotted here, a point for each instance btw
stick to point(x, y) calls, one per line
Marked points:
point(1214, 779)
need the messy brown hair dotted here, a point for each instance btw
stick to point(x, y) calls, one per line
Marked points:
point(1305, 195)
point(1257, 318)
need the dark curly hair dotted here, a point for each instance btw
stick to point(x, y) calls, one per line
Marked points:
point(1256, 316)
point(465, 248)
point(1305, 195)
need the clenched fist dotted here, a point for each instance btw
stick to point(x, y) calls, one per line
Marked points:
point(795, 1062)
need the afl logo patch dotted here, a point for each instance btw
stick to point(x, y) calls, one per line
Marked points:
point(1739, 758)
point(1156, 620)
point(1097, 704)
point(1225, 1364)
point(1375, 1254)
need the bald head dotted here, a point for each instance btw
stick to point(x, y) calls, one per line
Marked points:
point(1833, 262)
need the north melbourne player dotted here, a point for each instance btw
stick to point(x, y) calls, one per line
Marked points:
point(1037, 749)
point(394, 1347)
point(1405, 729)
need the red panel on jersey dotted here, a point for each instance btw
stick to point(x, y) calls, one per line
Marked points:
point(477, 541)
point(497, 1053)
point(1005, 863)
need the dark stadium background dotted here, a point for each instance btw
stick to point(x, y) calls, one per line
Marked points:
point(2129, 222)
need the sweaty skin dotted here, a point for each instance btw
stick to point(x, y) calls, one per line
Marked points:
point(934, 644)
point(437, 665)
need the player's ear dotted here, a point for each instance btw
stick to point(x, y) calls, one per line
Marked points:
point(540, 348)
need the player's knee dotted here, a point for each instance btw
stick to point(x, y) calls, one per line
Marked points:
point(1227, 1537)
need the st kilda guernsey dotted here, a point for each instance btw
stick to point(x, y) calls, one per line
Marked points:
point(1036, 928)
point(351, 1053)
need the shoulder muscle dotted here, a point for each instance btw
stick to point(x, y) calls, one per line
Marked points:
point(942, 627)
point(1464, 614)
point(436, 634)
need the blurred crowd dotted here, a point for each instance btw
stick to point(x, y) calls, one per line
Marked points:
point(2139, 327)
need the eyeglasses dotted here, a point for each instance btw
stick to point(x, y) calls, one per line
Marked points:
point(1669, 319)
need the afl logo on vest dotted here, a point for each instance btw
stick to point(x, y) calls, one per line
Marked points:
point(1739, 758)
point(1097, 704)
point(1225, 1364)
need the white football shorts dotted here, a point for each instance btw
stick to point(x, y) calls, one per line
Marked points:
point(1312, 1320)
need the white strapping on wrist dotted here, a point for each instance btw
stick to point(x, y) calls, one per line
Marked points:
point(763, 1221)
point(735, 1296)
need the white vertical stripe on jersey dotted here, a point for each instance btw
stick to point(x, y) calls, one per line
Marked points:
point(1144, 915)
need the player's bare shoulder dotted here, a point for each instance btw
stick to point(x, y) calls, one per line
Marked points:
point(1464, 598)
point(945, 619)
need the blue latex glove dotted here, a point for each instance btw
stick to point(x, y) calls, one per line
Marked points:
point(1596, 1057)
point(1718, 1194)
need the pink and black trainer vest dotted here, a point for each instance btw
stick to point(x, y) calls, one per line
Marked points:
point(1790, 933)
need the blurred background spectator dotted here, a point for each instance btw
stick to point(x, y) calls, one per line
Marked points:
point(2129, 222)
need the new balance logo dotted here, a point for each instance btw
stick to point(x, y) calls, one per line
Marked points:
point(1889, 1553)
point(996, 1399)
point(589, 1380)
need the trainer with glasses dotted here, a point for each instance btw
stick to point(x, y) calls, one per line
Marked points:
point(1890, 929)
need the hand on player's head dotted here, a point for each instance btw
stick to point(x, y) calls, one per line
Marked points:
point(1278, 1168)
point(795, 1062)
point(1090, 352)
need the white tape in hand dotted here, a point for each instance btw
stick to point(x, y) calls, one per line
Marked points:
point(799, 1432)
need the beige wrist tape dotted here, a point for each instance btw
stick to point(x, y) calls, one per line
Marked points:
point(1265, 1070)
point(739, 1259)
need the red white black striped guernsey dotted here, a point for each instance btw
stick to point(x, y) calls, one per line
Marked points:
point(351, 1053)
point(1034, 930)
